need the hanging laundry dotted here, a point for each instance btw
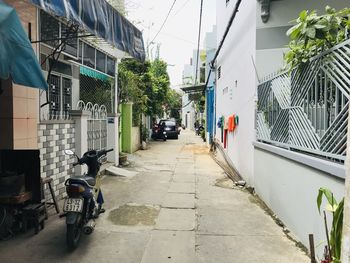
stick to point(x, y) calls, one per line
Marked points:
point(219, 124)
point(225, 139)
point(236, 120)
point(226, 124)
point(222, 121)
point(231, 123)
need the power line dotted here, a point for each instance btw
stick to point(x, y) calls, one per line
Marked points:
point(166, 18)
point(199, 39)
point(182, 7)
point(198, 42)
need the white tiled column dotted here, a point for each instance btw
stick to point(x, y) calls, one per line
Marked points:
point(80, 117)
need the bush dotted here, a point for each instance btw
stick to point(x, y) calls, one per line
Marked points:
point(315, 33)
point(202, 133)
point(144, 133)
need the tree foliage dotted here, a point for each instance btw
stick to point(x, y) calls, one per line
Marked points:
point(315, 33)
point(174, 104)
point(132, 81)
point(147, 85)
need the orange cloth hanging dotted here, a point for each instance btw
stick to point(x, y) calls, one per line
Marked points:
point(231, 123)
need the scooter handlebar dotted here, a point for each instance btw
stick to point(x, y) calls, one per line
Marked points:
point(103, 152)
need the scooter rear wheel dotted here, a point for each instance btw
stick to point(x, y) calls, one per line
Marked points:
point(73, 235)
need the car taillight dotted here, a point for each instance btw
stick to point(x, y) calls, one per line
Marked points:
point(74, 189)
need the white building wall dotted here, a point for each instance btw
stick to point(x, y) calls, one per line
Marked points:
point(188, 112)
point(271, 38)
point(290, 189)
point(236, 87)
point(187, 77)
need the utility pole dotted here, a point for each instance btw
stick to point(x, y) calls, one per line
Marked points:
point(345, 252)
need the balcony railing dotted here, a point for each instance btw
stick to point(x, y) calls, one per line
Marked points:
point(307, 110)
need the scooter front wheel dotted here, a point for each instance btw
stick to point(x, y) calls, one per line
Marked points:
point(73, 235)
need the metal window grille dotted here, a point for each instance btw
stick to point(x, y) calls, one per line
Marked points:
point(55, 96)
point(308, 110)
point(60, 97)
point(67, 97)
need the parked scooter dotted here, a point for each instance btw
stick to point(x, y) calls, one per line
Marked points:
point(84, 202)
point(199, 129)
point(158, 132)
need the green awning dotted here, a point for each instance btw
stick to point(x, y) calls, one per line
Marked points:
point(94, 74)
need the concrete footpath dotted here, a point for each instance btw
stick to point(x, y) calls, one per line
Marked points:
point(179, 207)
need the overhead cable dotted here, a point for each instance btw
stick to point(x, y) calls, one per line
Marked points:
point(166, 18)
point(198, 41)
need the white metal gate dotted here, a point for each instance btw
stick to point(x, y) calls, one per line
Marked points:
point(96, 125)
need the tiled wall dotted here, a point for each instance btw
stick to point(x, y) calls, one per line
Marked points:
point(53, 139)
point(20, 104)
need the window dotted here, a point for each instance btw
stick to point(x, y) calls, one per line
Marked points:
point(100, 61)
point(62, 68)
point(93, 58)
point(54, 96)
point(202, 75)
point(110, 66)
point(89, 56)
point(60, 97)
point(71, 46)
point(51, 28)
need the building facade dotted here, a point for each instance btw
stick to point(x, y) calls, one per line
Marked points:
point(78, 111)
point(286, 179)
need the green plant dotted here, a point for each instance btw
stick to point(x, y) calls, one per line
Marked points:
point(147, 85)
point(315, 33)
point(202, 132)
point(144, 133)
point(337, 210)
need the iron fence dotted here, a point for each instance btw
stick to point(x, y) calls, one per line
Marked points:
point(307, 109)
point(96, 125)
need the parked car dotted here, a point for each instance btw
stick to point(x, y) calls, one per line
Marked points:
point(170, 128)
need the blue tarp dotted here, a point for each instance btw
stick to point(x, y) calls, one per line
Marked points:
point(101, 19)
point(17, 57)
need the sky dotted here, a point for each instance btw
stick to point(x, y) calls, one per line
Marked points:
point(179, 36)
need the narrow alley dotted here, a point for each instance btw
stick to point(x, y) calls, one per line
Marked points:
point(178, 207)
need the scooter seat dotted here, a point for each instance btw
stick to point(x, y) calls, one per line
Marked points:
point(82, 179)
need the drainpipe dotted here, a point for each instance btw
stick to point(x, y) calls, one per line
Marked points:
point(235, 11)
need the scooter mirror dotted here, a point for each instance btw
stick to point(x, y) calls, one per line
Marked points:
point(69, 152)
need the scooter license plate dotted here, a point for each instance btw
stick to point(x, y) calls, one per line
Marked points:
point(73, 205)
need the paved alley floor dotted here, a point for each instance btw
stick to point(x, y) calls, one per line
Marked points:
point(179, 207)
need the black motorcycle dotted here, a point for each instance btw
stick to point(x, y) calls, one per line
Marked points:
point(84, 202)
